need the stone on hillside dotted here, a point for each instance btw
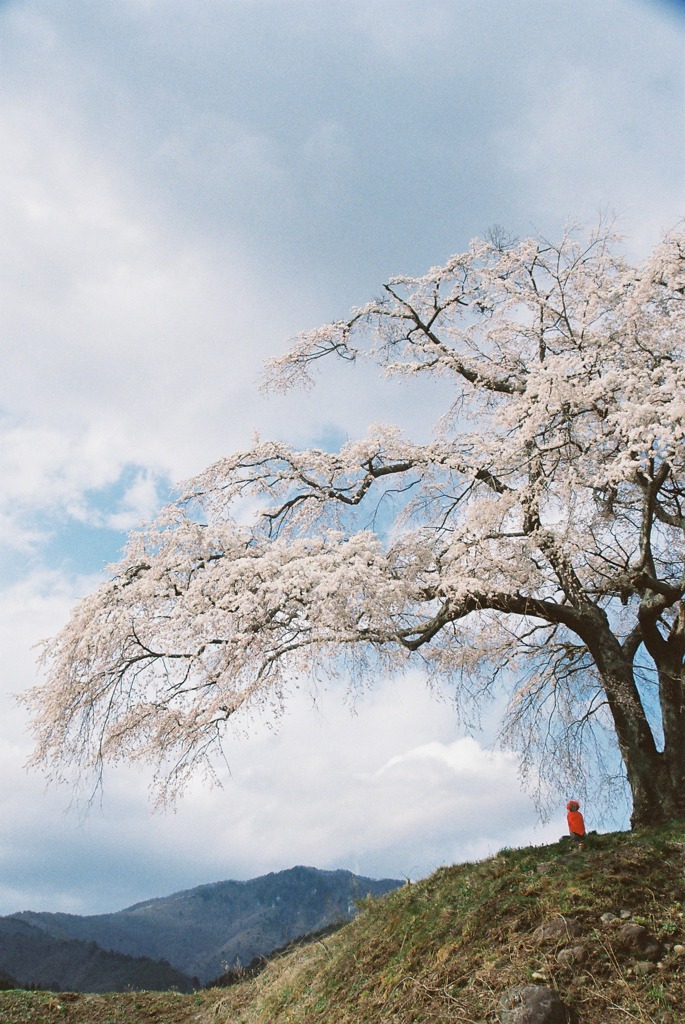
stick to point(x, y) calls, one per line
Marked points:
point(608, 918)
point(532, 1004)
point(571, 955)
point(636, 940)
point(560, 929)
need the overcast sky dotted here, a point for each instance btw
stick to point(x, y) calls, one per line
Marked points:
point(184, 187)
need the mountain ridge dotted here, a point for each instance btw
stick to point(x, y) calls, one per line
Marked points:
point(204, 930)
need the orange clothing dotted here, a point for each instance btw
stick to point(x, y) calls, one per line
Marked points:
point(576, 825)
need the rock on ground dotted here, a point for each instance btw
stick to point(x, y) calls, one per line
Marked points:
point(532, 1004)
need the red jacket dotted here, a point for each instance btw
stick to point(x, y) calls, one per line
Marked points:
point(576, 825)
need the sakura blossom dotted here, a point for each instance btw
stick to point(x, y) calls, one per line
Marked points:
point(532, 547)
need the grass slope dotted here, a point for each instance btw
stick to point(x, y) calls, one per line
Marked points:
point(448, 947)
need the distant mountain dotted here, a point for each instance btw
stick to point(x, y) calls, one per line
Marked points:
point(32, 957)
point(203, 931)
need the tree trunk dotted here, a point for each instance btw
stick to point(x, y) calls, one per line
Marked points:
point(644, 764)
point(654, 777)
point(668, 654)
point(672, 701)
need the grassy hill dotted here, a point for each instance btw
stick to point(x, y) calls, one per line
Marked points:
point(603, 928)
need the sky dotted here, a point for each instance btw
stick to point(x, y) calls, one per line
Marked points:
point(185, 187)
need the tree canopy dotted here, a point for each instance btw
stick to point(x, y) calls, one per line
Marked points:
point(534, 544)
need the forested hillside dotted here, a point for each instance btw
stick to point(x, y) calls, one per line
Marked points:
point(201, 931)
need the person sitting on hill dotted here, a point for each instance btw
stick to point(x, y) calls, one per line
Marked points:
point(576, 825)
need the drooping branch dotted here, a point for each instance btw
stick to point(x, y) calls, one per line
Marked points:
point(303, 486)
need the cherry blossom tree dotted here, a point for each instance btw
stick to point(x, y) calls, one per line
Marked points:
point(534, 547)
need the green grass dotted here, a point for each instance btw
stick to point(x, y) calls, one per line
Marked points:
point(448, 947)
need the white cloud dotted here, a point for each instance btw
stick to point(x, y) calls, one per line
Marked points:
point(586, 143)
point(45, 468)
point(140, 503)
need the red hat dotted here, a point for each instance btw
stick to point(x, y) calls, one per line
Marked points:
point(572, 805)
